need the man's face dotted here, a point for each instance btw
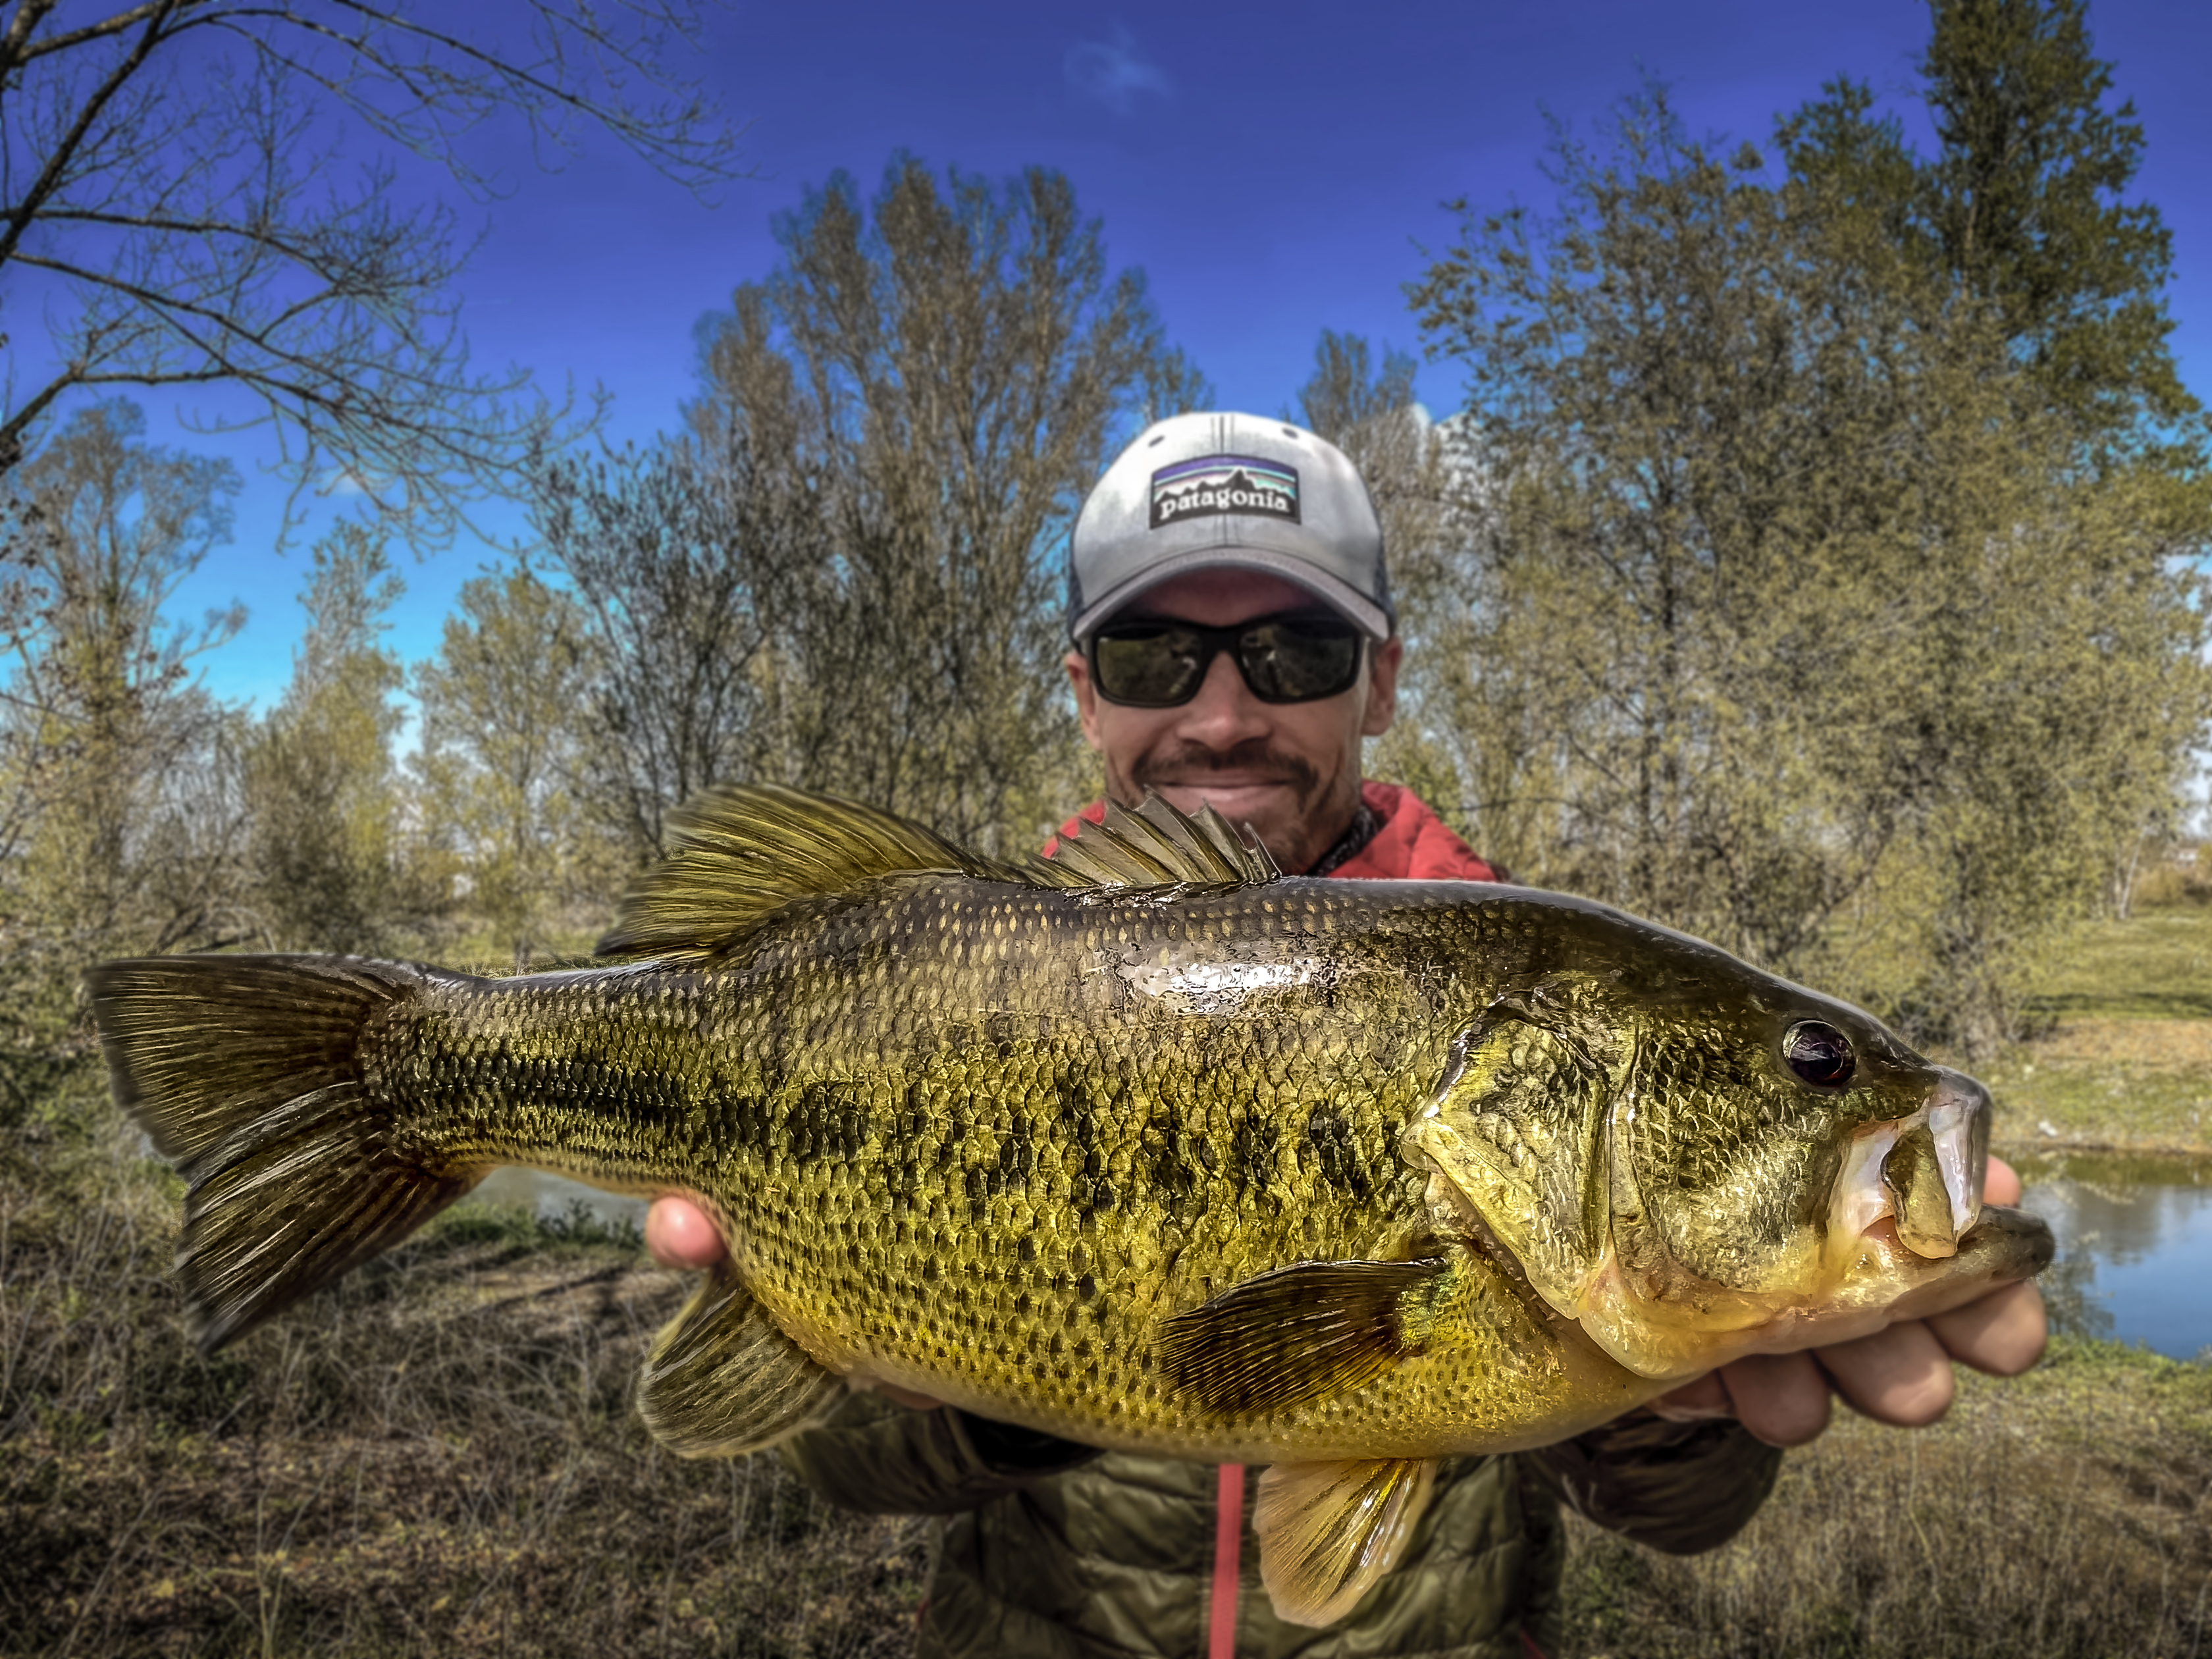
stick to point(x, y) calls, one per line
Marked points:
point(1290, 770)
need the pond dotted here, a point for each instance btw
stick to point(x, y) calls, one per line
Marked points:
point(552, 1196)
point(2134, 1247)
point(2135, 1240)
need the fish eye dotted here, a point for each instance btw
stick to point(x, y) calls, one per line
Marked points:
point(1819, 1053)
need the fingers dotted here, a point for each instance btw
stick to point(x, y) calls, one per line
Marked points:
point(1694, 1402)
point(679, 1234)
point(2001, 1184)
point(1783, 1398)
point(1901, 1375)
point(908, 1398)
point(2002, 1334)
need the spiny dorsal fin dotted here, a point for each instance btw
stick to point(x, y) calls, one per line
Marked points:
point(742, 854)
point(1156, 846)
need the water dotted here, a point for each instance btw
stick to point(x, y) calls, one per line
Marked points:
point(551, 1196)
point(2134, 1247)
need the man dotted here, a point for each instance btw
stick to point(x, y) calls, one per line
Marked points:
point(1234, 644)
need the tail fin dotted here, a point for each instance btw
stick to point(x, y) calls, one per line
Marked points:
point(246, 1072)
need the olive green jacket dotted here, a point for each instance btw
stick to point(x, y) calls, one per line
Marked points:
point(1053, 1551)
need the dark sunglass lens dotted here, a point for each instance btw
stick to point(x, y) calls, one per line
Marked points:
point(1295, 661)
point(1152, 667)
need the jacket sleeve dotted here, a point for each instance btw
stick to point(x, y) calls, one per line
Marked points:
point(882, 1459)
point(1680, 1488)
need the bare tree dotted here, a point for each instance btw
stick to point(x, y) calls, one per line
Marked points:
point(180, 174)
point(668, 558)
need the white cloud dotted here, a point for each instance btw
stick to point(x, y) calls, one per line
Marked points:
point(1112, 72)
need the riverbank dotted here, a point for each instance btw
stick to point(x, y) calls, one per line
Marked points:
point(2124, 1063)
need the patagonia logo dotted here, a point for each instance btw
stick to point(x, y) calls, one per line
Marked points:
point(1224, 483)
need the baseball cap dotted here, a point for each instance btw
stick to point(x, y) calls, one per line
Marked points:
point(1199, 492)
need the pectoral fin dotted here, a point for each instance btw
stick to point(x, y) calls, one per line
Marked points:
point(1328, 1531)
point(1301, 1334)
point(724, 1379)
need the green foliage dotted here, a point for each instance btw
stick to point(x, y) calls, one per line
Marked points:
point(118, 819)
point(321, 787)
point(846, 572)
point(2022, 209)
point(1786, 616)
point(931, 385)
point(500, 705)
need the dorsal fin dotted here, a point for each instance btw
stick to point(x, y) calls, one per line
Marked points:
point(740, 855)
point(743, 854)
point(1156, 846)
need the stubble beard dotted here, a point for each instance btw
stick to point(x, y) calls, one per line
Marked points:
point(1292, 831)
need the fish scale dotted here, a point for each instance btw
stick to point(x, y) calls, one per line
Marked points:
point(1152, 1147)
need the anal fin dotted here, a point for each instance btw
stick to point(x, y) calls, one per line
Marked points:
point(724, 1379)
point(1328, 1531)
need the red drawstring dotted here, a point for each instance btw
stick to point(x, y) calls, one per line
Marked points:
point(1228, 1556)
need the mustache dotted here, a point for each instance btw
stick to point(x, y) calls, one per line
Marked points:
point(1188, 763)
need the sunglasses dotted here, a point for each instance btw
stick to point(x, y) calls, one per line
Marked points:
point(1295, 656)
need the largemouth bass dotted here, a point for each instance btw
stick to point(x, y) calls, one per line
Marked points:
point(1147, 1146)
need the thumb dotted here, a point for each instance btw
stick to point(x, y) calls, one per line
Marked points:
point(681, 1235)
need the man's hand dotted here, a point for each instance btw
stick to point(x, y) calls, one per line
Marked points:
point(679, 1234)
point(1900, 1375)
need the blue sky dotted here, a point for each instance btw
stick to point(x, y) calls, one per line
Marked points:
point(1273, 169)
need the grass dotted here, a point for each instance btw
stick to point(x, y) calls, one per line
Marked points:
point(2068, 1512)
point(2124, 1060)
point(440, 1455)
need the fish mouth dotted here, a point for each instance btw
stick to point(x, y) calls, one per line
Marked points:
point(1922, 1174)
point(1908, 1237)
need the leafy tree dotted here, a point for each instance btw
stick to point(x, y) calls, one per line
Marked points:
point(119, 815)
point(1790, 619)
point(2023, 206)
point(499, 733)
point(908, 413)
point(321, 789)
point(173, 173)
